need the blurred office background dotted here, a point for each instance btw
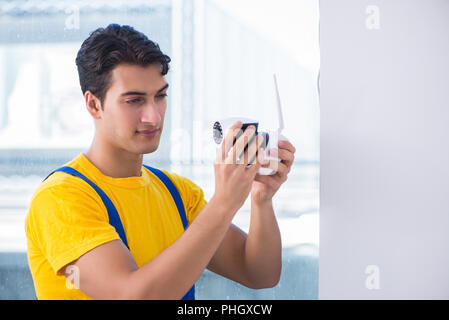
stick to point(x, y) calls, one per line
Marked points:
point(224, 53)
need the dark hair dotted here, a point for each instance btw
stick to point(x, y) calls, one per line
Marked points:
point(105, 48)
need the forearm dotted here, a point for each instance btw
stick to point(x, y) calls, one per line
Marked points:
point(263, 248)
point(171, 274)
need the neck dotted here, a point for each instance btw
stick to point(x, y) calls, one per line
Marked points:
point(114, 162)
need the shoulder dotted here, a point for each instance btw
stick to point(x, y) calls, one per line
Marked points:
point(63, 197)
point(66, 218)
point(62, 185)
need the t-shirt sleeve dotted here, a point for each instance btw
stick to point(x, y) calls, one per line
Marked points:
point(192, 195)
point(66, 221)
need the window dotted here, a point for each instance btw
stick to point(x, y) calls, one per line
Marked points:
point(223, 56)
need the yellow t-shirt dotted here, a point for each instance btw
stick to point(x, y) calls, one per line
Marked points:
point(67, 218)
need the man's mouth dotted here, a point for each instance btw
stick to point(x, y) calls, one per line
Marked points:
point(148, 133)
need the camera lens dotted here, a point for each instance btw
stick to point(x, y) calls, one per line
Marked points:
point(218, 132)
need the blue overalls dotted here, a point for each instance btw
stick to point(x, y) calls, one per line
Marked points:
point(114, 218)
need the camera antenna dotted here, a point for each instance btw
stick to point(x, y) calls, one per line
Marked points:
point(279, 107)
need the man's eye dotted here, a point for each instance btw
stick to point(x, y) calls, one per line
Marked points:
point(162, 95)
point(131, 101)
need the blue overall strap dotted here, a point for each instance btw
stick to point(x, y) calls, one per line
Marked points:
point(114, 218)
point(174, 193)
point(190, 295)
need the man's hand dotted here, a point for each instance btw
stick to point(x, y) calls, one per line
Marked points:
point(233, 179)
point(264, 187)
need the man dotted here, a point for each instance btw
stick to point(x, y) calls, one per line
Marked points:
point(74, 238)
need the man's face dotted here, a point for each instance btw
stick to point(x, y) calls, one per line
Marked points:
point(134, 108)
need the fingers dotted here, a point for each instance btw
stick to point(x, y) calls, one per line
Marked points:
point(285, 144)
point(238, 151)
point(227, 142)
point(253, 148)
point(260, 158)
point(286, 156)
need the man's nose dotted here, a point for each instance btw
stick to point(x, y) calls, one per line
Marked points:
point(150, 114)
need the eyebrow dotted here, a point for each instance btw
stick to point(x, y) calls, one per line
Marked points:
point(139, 93)
point(163, 88)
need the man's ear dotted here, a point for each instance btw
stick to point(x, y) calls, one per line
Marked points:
point(93, 105)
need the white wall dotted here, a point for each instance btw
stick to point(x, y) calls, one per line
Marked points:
point(384, 197)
